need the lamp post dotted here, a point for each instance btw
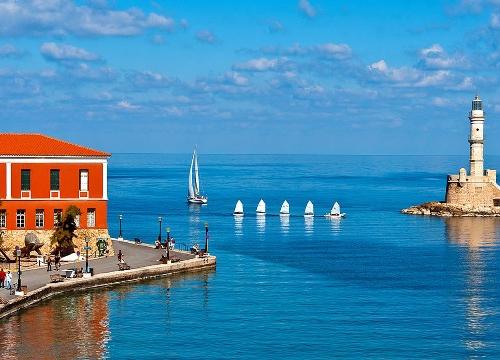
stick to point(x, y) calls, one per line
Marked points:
point(206, 238)
point(168, 243)
point(159, 235)
point(18, 254)
point(87, 248)
point(121, 218)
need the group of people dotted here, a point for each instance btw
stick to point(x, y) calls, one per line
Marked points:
point(160, 245)
point(57, 263)
point(5, 279)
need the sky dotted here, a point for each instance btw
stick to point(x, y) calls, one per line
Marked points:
point(252, 76)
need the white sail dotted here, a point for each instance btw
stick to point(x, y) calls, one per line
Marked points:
point(285, 208)
point(196, 175)
point(261, 207)
point(309, 211)
point(190, 183)
point(238, 209)
point(335, 209)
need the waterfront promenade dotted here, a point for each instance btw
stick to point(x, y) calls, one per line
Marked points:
point(138, 256)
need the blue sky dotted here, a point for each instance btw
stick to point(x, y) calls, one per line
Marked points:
point(298, 76)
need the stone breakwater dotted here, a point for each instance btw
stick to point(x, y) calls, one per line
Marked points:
point(446, 210)
point(104, 280)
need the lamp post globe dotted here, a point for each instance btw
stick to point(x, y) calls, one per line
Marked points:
point(121, 218)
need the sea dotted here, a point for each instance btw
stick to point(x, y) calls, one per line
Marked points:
point(375, 284)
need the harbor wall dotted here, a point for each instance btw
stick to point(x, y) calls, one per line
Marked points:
point(105, 280)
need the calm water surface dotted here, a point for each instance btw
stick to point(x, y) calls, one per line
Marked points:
point(376, 284)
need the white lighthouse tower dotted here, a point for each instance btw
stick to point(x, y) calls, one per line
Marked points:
point(476, 138)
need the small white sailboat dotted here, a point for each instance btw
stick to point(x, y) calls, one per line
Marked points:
point(309, 211)
point(194, 195)
point(238, 209)
point(285, 209)
point(335, 212)
point(261, 208)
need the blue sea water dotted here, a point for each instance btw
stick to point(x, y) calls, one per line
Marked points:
point(377, 284)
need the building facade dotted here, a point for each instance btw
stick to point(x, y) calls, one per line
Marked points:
point(478, 188)
point(40, 177)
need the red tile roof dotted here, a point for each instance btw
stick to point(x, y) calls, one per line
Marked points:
point(42, 145)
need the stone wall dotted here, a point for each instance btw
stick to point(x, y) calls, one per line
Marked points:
point(472, 193)
point(13, 238)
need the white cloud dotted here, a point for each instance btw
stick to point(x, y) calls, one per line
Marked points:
point(64, 17)
point(10, 51)
point(336, 51)
point(205, 36)
point(434, 57)
point(125, 105)
point(236, 78)
point(63, 52)
point(260, 64)
point(306, 7)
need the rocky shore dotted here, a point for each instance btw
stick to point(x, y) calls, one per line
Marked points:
point(436, 208)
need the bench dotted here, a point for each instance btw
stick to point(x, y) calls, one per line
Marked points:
point(55, 278)
point(123, 266)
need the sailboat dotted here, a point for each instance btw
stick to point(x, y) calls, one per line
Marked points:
point(335, 212)
point(285, 209)
point(194, 196)
point(309, 211)
point(238, 209)
point(261, 208)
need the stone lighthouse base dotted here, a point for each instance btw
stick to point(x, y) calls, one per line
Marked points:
point(446, 210)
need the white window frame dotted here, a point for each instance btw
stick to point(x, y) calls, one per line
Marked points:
point(39, 218)
point(84, 182)
point(56, 216)
point(3, 219)
point(21, 219)
point(91, 216)
point(77, 221)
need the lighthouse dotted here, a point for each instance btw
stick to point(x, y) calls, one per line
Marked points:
point(476, 138)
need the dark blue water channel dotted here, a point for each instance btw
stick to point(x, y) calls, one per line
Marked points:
point(376, 284)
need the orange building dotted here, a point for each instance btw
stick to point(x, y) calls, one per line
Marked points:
point(40, 177)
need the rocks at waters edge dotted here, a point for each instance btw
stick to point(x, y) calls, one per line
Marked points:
point(436, 208)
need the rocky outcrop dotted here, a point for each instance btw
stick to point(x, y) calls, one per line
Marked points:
point(446, 210)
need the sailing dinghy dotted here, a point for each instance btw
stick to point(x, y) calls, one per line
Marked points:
point(194, 195)
point(238, 209)
point(335, 212)
point(309, 211)
point(285, 209)
point(261, 208)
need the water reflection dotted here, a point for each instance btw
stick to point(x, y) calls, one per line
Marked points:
point(335, 225)
point(309, 225)
point(284, 224)
point(261, 224)
point(476, 235)
point(238, 225)
point(66, 328)
point(194, 223)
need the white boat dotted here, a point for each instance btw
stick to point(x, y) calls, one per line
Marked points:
point(335, 212)
point(309, 211)
point(285, 209)
point(238, 209)
point(194, 195)
point(261, 208)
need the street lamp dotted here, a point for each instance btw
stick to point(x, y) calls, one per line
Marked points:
point(206, 238)
point(18, 254)
point(168, 243)
point(121, 218)
point(159, 235)
point(87, 248)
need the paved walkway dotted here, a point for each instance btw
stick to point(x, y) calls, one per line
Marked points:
point(134, 255)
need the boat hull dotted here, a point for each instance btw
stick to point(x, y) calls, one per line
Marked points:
point(334, 216)
point(238, 214)
point(198, 200)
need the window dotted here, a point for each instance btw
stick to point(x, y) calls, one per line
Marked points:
point(90, 218)
point(54, 180)
point(57, 216)
point(84, 180)
point(39, 218)
point(21, 219)
point(496, 202)
point(25, 180)
point(77, 221)
point(3, 218)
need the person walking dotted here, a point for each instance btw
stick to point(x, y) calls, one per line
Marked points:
point(57, 261)
point(49, 264)
point(2, 278)
point(120, 256)
point(8, 280)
